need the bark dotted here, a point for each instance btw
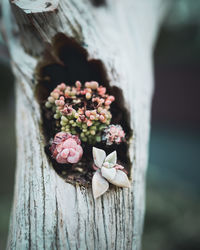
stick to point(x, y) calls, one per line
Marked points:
point(49, 213)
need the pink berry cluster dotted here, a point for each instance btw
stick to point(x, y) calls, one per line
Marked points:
point(66, 148)
point(114, 134)
point(82, 109)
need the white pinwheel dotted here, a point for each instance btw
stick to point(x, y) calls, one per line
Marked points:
point(107, 171)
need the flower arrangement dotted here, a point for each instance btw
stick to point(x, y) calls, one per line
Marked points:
point(83, 115)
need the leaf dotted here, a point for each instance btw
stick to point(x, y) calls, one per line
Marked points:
point(112, 158)
point(99, 185)
point(99, 155)
point(121, 180)
point(108, 173)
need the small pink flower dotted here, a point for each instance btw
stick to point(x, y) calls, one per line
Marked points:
point(66, 148)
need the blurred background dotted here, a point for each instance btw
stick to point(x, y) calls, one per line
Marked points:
point(172, 219)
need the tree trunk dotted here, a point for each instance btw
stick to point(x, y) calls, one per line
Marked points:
point(49, 213)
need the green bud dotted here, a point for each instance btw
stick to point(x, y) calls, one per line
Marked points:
point(51, 99)
point(99, 109)
point(84, 139)
point(84, 125)
point(63, 118)
point(101, 127)
point(54, 109)
point(82, 135)
point(76, 115)
point(97, 123)
point(69, 116)
point(78, 123)
point(56, 116)
point(93, 128)
point(73, 132)
point(48, 105)
point(92, 132)
point(91, 139)
point(63, 123)
point(98, 138)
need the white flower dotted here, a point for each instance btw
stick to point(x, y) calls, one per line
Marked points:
point(108, 171)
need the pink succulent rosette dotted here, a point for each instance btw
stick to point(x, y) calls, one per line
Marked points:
point(114, 134)
point(66, 148)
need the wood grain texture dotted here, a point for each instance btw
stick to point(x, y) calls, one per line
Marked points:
point(49, 213)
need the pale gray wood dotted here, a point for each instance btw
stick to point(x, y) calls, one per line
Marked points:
point(49, 213)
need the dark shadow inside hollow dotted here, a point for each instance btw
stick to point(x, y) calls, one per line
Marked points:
point(66, 61)
point(98, 3)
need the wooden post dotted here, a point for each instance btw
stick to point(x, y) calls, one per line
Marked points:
point(49, 213)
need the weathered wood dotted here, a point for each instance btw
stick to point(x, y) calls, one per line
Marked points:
point(47, 212)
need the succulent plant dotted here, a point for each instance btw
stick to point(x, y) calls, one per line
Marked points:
point(82, 110)
point(113, 134)
point(107, 171)
point(66, 148)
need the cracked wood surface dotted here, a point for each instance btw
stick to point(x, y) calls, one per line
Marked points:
point(49, 213)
